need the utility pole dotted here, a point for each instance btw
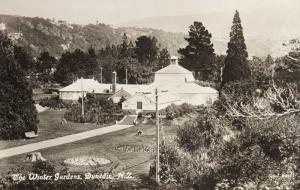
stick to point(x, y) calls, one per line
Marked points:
point(126, 77)
point(157, 138)
point(82, 96)
point(101, 75)
point(158, 129)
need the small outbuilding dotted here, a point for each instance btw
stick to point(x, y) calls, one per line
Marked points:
point(81, 87)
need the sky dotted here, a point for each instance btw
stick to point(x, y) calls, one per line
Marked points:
point(118, 11)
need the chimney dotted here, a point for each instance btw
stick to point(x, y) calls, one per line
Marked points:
point(174, 60)
point(114, 81)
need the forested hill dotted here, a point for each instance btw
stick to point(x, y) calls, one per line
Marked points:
point(39, 35)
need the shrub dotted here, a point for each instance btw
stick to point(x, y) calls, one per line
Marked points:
point(264, 154)
point(74, 113)
point(205, 131)
point(54, 102)
point(183, 169)
point(43, 167)
point(187, 108)
point(97, 110)
point(174, 111)
point(258, 154)
point(240, 91)
point(226, 153)
point(13, 129)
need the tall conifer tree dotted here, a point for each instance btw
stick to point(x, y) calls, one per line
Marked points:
point(17, 111)
point(236, 66)
point(124, 46)
point(198, 55)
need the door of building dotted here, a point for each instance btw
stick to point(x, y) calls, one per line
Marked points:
point(139, 107)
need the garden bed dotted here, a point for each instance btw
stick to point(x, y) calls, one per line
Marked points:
point(86, 161)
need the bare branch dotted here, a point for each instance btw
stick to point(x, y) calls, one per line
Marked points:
point(286, 99)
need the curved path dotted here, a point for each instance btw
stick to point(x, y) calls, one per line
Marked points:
point(60, 140)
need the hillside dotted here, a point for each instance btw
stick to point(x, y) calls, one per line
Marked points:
point(265, 30)
point(273, 23)
point(38, 35)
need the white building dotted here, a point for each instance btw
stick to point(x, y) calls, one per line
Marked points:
point(145, 102)
point(177, 83)
point(81, 87)
point(173, 73)
point(127, 91)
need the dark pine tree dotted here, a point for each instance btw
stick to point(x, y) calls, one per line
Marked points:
point(91, 64)
point(198, 55)
point(17, 111)
point(107, 58)
point(125, 59)
point(146, 50)
point(76, 64)
point(65, 69)
point(124, 47)
point(45, 65)
point(163, 59)
point(24, 59)
point(236, 66)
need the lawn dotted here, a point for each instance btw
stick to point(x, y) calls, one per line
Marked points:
point(101, 146)
point(50, 127)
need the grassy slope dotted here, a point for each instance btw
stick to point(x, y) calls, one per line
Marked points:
point(101, 146)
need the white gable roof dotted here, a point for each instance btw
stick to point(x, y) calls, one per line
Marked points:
point(173, 69)
point(121, 93)
point(86, 85)
point(173, 73)
point(164, 98)
point(185, 88)
point(103, 88)
point(132, 88)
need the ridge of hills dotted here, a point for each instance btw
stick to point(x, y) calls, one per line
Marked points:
point(38, 35)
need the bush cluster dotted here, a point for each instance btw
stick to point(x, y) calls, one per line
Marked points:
point(215, 152)
point(97, 110)
point(204, 131)
point(174, 111)
point(54, 102)
point(183, 170)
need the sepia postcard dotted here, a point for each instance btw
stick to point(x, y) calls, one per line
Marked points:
point(149, 94)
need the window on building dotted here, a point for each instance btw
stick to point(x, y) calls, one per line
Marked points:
point(139, 105)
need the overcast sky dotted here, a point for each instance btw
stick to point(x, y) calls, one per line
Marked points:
point(117, 11)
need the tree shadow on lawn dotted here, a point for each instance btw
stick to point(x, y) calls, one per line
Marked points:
point(50, 127)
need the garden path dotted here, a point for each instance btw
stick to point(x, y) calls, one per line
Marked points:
point(60, 140)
